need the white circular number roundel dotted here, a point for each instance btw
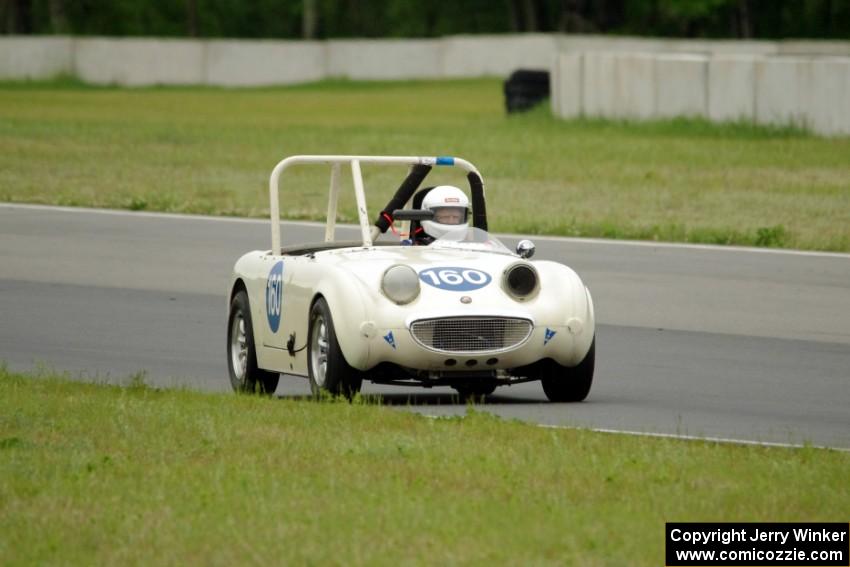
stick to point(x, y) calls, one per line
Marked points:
point(274, 296)
point(455, 279)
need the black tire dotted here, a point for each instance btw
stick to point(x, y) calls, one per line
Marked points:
point(327, 368)
point(526, 89)
point(565, 384)
point(245, 375)
point(530, 91)
point(519, 98)
point(530, 77)
point(520, 104)
point(474, 393)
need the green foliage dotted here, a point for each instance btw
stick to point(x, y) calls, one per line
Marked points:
point(428, 18)
point(11, 443)
point(137, 204)
point(400, 18)
point(136, 381)
point(771, 236)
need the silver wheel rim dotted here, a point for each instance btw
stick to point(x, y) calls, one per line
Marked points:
point(319, 351)
point(238, 347)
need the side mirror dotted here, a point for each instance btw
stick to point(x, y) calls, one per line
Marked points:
point(525, 249)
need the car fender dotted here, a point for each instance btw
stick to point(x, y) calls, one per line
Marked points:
point(575, 322)
point(252, 270)
point(349, 305)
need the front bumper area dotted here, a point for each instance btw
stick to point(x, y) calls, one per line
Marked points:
point(398, 346)
point(471, 335)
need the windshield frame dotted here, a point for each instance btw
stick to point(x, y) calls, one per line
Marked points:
point(471, 239)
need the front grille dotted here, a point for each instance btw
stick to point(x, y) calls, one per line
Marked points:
point(471, 334)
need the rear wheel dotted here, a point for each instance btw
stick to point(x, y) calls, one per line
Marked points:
point(566, 384)
point(245, 375)
point(327, 368)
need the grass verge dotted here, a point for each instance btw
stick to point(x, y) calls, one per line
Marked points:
point(93, 474)
point(210, 151)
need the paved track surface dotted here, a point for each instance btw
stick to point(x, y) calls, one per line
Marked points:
point(730, 343)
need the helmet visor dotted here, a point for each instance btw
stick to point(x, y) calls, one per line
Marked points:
point(449, 215)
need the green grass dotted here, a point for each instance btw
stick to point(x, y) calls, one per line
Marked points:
point(93, 474)
point(203, 150)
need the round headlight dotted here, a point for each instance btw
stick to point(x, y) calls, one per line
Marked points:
point(520, 280)
point(400, 283)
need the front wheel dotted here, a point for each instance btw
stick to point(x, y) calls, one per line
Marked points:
point(245, 375)
point(327, 368)
point(565, 384)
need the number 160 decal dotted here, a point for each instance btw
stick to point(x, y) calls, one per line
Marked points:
point(274, 296)
point(455, 279)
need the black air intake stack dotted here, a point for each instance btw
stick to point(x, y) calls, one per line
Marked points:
point(405, 191)
point(479, 207)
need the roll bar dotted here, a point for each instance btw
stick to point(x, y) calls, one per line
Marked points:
point(368, 231)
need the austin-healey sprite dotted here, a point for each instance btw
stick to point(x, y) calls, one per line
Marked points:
point(459, 309)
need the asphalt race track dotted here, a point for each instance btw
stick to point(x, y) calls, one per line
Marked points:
point(702, 341)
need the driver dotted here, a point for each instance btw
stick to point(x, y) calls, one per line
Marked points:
point(451, 208)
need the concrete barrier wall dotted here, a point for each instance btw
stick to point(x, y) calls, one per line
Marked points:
point(148, 61)
point(635, 86)
point(585, 43)
point(814, 48)
point(614, 85)
point(681, 85)
point(35, 57)
point(566, 85)
point(598, 85)
point(250, 63)
point(496, 55)
point(385, 60)
point(731, 87)
point(809, 92)
point(137, 62)
point(592, 75)
point(129, 61)
point(829, 99)
point(782, 91)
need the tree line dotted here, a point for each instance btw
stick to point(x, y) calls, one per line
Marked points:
point(762, 19)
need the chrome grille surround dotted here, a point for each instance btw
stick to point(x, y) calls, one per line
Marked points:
point(471, 334)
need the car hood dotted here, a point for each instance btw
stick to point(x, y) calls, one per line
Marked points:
point(452, 282)
point(366, 262)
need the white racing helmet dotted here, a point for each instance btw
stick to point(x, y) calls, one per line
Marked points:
point(451, 209)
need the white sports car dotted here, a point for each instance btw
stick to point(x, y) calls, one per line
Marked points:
point(462, 311)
